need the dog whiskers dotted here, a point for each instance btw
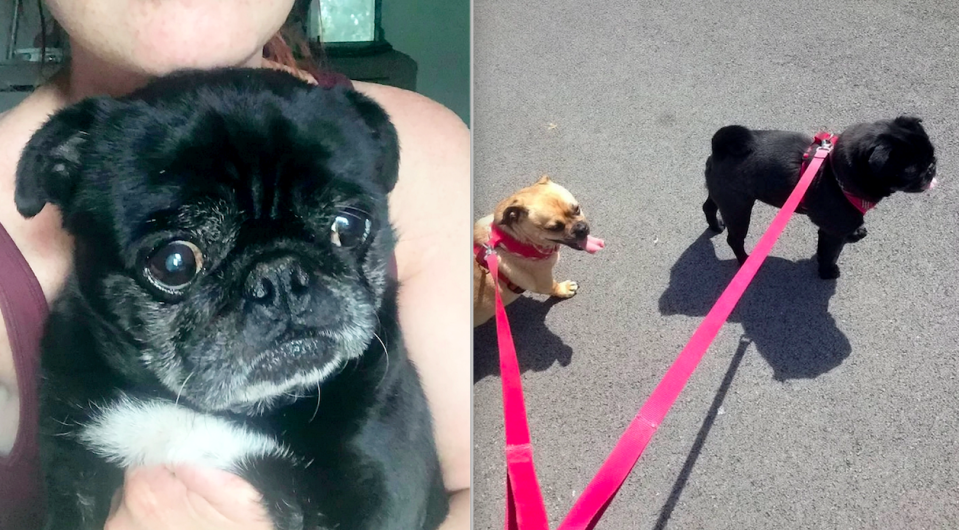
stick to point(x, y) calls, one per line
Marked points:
point(180, 391)
point(342, 367)
point(65, 423)
point(317, 409)
point(386, 354)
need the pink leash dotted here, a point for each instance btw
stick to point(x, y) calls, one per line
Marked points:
point(524, 501)
point(525, 509)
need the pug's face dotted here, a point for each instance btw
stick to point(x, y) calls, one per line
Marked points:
point(545, 214)
point(887, 156)
point(231, 229)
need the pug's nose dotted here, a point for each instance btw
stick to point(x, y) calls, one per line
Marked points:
point(580, 230)
point(280, 284)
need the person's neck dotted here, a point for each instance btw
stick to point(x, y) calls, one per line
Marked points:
point(88, 75)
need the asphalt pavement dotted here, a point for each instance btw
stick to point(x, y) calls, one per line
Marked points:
point(821, 404)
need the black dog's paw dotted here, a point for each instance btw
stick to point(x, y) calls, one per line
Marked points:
point(717, 225)
point(712, 219)
point(829, 272)
point(276, 481)
point(284, 515)
point(858, 235)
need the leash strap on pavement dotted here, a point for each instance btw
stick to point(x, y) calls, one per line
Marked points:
point(596, 497)
point(525, 509)
point(524, 501)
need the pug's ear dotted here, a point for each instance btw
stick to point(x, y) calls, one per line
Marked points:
point(879, 156)
point(544, 180)
point(512, 214)
point(908, 122)
point(50, 163)
point(384, 134)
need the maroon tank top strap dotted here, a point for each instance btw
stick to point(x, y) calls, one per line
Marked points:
point(330, 79)
point(24, 311)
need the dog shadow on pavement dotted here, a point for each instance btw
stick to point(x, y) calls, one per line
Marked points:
point(784, 312)
point(537, 348)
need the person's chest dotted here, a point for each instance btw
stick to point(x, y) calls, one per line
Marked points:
point(9, 396)
point(47, 250)
point(41, 239)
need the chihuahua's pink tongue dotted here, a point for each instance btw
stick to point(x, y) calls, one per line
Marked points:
point(932, 183)
point(594, 244)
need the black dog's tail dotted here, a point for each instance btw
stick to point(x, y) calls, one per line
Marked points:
point(732, 141)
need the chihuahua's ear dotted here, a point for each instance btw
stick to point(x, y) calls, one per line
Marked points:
point(544, 180)
point(50, 163)
point(512, 214)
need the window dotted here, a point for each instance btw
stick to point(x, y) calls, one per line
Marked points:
point(346, 20)
point(346, 26)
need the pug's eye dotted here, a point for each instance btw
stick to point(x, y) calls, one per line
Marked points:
point(174, 265)
point(576, 210)
point(558, 227)
point(351, 228)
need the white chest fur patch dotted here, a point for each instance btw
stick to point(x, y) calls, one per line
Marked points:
point(132, 432)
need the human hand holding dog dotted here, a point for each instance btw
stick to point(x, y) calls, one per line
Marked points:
point(186, 498)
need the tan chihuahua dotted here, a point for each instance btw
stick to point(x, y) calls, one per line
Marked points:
point(526, 230)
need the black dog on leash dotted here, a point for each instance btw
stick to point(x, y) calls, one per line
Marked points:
point(230, 304)
point(869, 162)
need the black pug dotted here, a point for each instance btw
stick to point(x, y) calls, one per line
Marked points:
point(869, 162)
point(230, 304)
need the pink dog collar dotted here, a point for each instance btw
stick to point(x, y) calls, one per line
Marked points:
point(499, 238)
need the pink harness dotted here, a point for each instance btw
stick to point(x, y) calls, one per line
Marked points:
point(860, 204)
point(499, 238)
